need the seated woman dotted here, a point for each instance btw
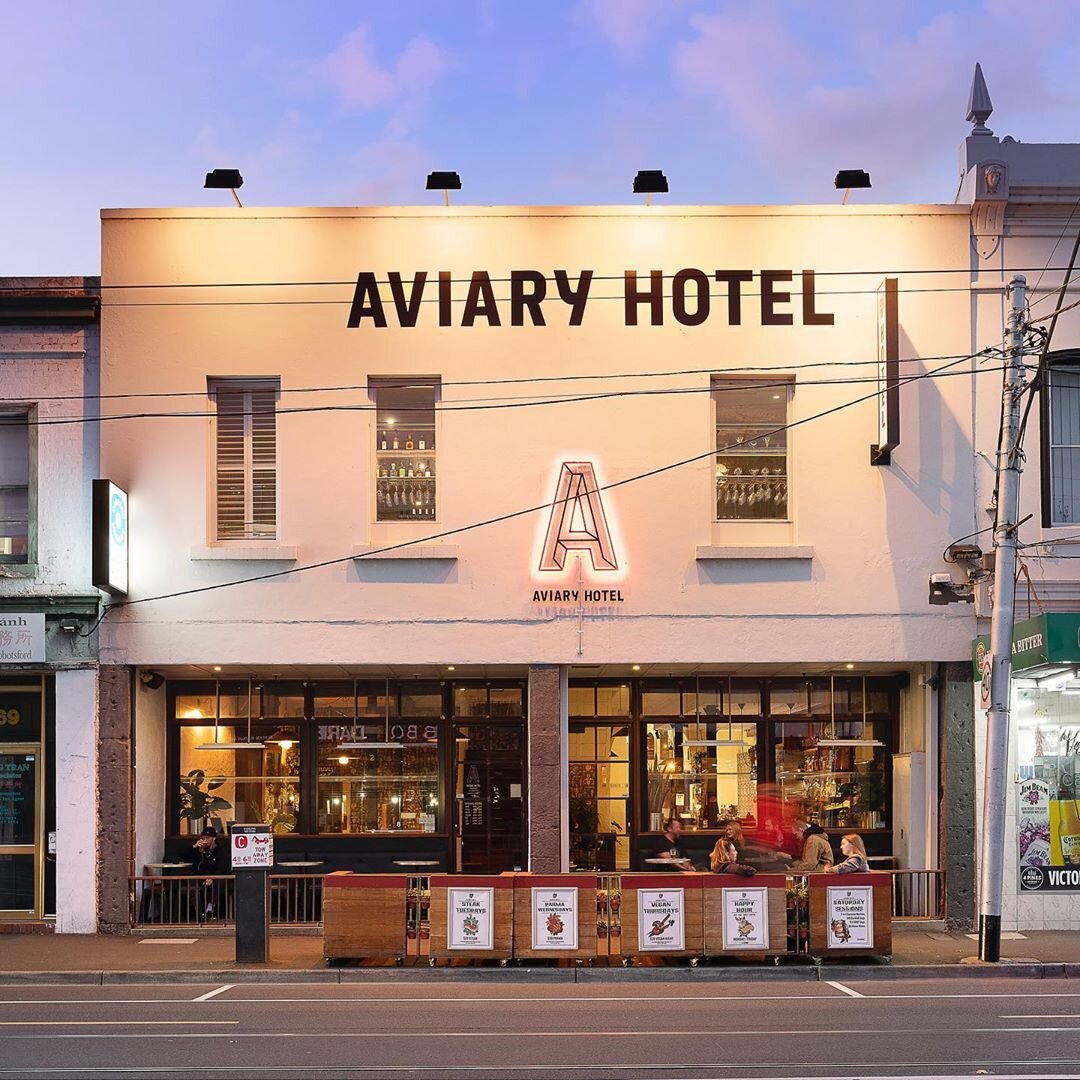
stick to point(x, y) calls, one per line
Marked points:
point(723, 859)
point(817, 853)
point(759, 856)
point(855, 856)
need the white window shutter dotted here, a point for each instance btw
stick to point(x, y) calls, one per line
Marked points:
point(246, 461)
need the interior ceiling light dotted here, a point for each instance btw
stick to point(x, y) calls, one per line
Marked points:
point(386, 743)
point(850, 742)
point(249, 744)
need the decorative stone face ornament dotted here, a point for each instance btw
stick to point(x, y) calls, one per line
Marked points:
point(992, 177)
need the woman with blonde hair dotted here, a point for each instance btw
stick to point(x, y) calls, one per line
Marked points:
point(854, 856)
point(724, 859)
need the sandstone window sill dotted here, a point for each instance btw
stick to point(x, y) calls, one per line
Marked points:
point(18, 570)
point(245, 552)
point(712, 553)
point(414, 552)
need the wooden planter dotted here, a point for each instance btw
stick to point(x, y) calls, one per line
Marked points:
point(851, 914)
point(745, 916)
point(543, 909)
point(662, 914)
point(489, 933)
point(363, 916)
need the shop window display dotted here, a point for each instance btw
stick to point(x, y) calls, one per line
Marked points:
point(599, 788)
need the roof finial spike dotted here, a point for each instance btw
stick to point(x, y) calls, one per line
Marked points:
point(979, 104)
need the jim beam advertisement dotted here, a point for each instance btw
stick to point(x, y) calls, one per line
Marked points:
point(470, 918)
point(660, 920)
point(746, 919)
point(1048, 819)
point(555, 916)
point(850, 915)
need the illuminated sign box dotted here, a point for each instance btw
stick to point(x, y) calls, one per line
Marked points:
point(110, 538)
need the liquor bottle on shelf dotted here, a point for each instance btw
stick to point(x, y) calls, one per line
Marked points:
point(382, 441)
point(401, 469)
point(409, 470)
point(421, 443)
point(396, 444)
point(408, 442)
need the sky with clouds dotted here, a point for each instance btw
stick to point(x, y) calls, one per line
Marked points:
point(336, 103)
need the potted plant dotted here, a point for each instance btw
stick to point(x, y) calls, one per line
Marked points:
point(196, 804)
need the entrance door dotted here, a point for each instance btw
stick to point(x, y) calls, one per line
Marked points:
point(489, 798)
point(19, 810)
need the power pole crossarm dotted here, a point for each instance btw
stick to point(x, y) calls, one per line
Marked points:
point(997, 718)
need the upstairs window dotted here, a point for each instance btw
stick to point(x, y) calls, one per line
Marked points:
point(14, 487)
point(245, 463)
point(751, 451)
point(1061, 439)
point(405, 448)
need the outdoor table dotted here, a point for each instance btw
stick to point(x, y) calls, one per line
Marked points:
point(851, 914)
point(364, 916)
point(662, 914)
point(301, 862)
point(416, 862)
point(472, 918)
point(745, 916)
point(682, 865)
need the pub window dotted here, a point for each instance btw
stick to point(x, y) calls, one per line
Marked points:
point(599, 789)
point(1061, 439)
point(751, 449)
point(15, 504)
point(233, 770)
point(405, 448)
point(245, 458)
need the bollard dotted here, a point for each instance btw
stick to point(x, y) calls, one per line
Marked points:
point(252, 851)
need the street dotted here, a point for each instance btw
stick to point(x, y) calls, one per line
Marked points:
point(594, 1031)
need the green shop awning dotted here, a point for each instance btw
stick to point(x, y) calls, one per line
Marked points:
point(1045, 640)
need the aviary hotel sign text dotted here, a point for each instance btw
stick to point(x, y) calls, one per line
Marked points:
point(531, 297)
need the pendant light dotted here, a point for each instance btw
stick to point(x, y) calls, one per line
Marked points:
point(250, 744)
point(730, 740)
point(386, 743)
point(833, 740)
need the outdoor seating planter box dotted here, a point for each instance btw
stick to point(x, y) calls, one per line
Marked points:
point(745, 916)
point(851, 914)
point(363, 916)
point(662, 914)
point(472, 918)
point(555, 916)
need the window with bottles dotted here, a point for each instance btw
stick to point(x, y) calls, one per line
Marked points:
point(831, 740)
point(233, 767)
point(701, 760)
point(599, 789)
point(405, 449)
point(751, 449)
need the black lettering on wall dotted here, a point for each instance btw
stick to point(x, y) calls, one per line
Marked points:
point(770, 298)
point(444, 298)
point(810, 316)
point(366, 301)
point(653, 296)
point(407, 310)
point(480, 301)
point(578, 297)
point(734, 280)
point(520, 300)
point(678, 297)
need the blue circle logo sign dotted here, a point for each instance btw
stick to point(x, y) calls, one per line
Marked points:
point(118, 519)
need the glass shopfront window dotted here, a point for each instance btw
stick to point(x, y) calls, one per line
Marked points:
point(599, 787)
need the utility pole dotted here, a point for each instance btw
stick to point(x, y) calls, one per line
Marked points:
point(1001, 624)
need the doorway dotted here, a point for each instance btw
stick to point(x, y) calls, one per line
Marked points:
point(489, 798)
point(21, 809)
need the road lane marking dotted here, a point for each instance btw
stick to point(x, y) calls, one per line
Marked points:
point(214, 993)
point(99, 1023)
point(844, 989)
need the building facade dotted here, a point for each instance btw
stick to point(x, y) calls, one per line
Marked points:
point(49, 738)
point(497, 537)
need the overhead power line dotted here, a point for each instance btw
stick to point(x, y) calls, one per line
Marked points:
point(511, 515)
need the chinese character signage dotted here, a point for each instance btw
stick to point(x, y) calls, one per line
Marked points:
point(555, 918)
point(252, 847)
point(660, 920)
point(22, 637)
point(850, 915)
point(746, 919)
point(470, 918)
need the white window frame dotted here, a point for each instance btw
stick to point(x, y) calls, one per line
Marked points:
point(29, 413)
point(248, 386)
point(788, 389)
point(389, 382)
point(1062, 362)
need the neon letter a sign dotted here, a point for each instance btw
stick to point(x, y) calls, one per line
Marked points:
point(577, 520)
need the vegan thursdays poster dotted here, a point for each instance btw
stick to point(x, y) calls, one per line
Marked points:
point(660, 920)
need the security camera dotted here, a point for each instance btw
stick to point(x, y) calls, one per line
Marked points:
point(943, 590)
point(152, 680)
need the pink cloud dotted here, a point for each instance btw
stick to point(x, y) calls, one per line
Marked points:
point(627, 25)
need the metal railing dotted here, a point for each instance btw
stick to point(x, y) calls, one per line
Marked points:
point(918, 894)
point(295, 900)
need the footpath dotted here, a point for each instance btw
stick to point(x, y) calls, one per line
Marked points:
point(137, 958)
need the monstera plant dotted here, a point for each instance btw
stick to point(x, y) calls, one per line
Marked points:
point(196, 803)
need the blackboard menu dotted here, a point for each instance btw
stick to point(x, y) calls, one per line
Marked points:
point(17, 794)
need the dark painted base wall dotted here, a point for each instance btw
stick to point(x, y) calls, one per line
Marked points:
point(957, 793)
point(114, 798)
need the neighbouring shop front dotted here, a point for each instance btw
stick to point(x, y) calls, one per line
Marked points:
point(371, 774)
point(1042, 850)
